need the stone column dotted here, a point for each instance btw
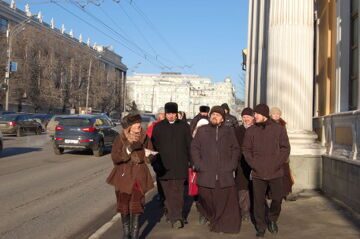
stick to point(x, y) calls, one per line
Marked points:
point(290, 83)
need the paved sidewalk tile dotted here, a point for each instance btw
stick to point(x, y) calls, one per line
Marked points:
point(311, 216)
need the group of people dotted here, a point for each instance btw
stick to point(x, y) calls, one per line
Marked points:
point(238, 167)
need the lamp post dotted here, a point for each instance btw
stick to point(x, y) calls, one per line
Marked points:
point(17, 29)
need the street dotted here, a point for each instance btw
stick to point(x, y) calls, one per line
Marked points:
point(43, 195)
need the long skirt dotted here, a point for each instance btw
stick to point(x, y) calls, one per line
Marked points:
point(130, 203)
point(221, 207)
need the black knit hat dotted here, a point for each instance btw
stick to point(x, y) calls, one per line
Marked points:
point(171, 107)
point(247, 111)
point(129, 120)
point(262, 109)
point(225, 107)
point(218, 109)
point(204, 109)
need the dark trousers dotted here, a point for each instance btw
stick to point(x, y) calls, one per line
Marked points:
point(174, 198)
point(260, 188)
point(221, 207)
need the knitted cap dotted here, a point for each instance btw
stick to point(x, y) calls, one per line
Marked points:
point(275, 110)
point(247, 111)
point(218, 109)
point(262, 109)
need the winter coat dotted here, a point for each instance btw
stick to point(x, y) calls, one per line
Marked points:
point(126, 172)
point(172, 141)
point(266, 148)
point(195, 120)
point(215, 152)
point(243, 169)
point(231, 121)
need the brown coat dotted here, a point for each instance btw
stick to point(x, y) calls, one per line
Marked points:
point(126, 172)
point(215, 153)
point(266, 148)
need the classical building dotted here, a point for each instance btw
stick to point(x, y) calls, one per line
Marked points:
point(151, 91)
point(106, 66)
point(303, 57)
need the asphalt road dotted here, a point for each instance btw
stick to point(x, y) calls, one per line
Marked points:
point(43, 195)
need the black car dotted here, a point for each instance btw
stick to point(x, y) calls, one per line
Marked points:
point(19, 124)
point(94, 132)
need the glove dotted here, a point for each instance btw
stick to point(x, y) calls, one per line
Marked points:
point(135, 146)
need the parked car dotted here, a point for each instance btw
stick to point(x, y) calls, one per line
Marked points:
point(1, 142)
point(19, 124)
point(43, 119)
point(94, 132)
point(147, 119)
point(50, 127)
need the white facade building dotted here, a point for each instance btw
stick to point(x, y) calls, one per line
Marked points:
point(152, 91)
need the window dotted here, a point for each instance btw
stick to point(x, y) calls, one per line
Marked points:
point(3, 25)
point(354, 56)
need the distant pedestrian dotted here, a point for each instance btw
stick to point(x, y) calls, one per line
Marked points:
point(171, 138)
point(266, 148)
point(130, 175)
point(215, 153)
point(243, 170)
point(288, 182)
point(182, 116)
point(203, 114)
point(230, 120)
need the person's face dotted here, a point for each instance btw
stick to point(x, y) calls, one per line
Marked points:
point(275, 117)
point(204, 114)
point(248, 120)
point(180, 115)
point(135, 129)
point(226, 111)
point(216, 118)
point(259, 118)
point(171, 117)
point(161, 116)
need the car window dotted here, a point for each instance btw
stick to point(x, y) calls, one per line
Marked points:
point(106, 121)
point(99, 122)
point(78, 122)
point(8, 117)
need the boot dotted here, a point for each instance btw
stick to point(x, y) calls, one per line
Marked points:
point(125, 219)
point(135, 226)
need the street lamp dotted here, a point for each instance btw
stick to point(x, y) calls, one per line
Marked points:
point(17, 29)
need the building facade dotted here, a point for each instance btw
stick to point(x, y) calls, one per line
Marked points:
point(303, 57)
point(82, 65)
point(151, 91)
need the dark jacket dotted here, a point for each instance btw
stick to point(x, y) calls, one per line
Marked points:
point(266, 147)
point(243, 169)
point(126, 172)
point(172, 141)
point(215, 153)
point(195, 120)
point(231, 121)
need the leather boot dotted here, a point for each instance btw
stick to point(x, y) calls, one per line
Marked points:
point(125, 219)
point(135, 226)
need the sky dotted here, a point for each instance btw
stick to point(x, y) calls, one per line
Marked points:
point(202, 37)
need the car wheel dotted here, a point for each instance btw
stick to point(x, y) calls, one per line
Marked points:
point(99, 151)
point(19, 132)
point(38, 130)
point(58, 151)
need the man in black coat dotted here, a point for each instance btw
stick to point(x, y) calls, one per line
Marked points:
point(229, 120)
point(171, 138)
point(266, 148)
point(215, 153)
point(203, 114)
point(243, 170)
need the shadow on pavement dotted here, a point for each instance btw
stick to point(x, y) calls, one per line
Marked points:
point(12, 151)
point(152, 216)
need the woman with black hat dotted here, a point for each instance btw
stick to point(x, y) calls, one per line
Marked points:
point(130, 175)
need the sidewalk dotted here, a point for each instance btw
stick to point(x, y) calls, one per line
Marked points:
point(311, 216)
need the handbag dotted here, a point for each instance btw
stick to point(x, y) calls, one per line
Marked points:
point(193, 187)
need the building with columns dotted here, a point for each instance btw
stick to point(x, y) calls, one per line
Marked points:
point(152, 91)
point(303, 57)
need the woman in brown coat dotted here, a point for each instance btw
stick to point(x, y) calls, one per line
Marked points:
point(130, 175)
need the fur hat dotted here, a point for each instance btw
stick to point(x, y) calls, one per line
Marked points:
point(171, 107)
point(225, 106)
point(275, 110)
point(161, 110)
point(129, 120)
point(262, 109)
point(204, 109)
point(247, 111)
point(218, 109)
